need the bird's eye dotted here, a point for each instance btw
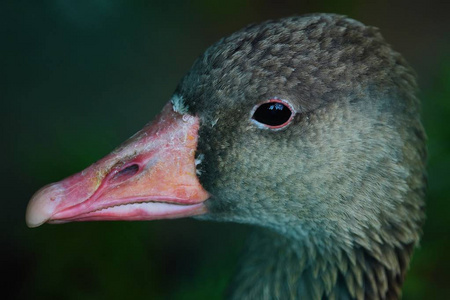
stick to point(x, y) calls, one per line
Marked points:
point(273, 114)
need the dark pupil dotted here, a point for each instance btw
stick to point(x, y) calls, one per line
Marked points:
point(272, 114)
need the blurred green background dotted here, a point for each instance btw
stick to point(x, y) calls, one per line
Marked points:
point(79, 77)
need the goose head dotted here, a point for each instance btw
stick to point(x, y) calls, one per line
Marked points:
point(307, 126)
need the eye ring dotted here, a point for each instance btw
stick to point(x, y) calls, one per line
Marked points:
point(273, 114)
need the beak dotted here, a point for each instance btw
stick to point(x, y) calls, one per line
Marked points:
point(151, 176)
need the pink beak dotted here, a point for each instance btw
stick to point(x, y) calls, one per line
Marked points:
point(151, 176)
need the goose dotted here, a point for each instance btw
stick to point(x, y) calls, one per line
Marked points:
point(306, 127)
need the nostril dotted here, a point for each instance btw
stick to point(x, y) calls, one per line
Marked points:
point(125, 173)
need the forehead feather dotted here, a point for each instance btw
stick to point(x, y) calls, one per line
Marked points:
point(310, 60)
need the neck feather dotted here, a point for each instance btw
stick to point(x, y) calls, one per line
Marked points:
point(275, 267)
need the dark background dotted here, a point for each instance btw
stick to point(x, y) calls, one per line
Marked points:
point(79, 77)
